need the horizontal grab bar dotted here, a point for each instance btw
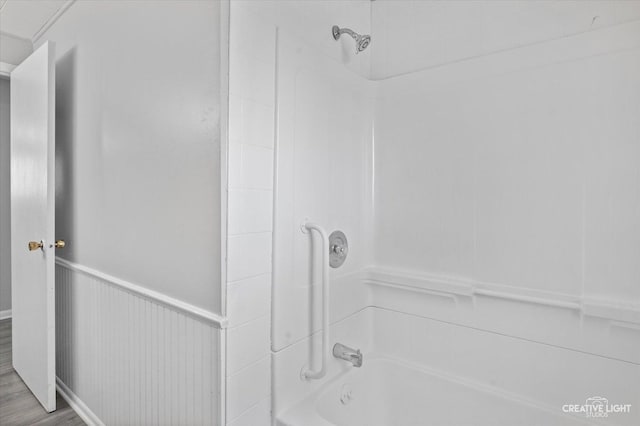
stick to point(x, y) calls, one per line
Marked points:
point(529, 299)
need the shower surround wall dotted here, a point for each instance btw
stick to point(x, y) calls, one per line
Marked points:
point(258, 31)
point(323, 168)
point(412, 35)
point(485, 194)
point(520, 183)
point(507, 185)
point(138, 199)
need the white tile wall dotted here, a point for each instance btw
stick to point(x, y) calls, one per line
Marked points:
point(255, 119)
point(248, 255)
point(248, 299)
point(258, 415)
point(251, 175)
point(247, 388)
point(245, 211)
point(247, 343)
point(251, 156)
point(253, 78)
point(251, 166)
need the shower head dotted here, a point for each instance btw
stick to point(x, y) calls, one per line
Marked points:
point(362, 41)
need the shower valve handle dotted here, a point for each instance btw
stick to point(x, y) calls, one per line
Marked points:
point(339, 250)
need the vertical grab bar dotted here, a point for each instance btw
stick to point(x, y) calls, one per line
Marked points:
point(307, 373)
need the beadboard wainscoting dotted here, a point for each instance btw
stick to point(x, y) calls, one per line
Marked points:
point(126, 355)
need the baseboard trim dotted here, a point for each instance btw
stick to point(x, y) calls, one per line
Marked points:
point(76, 404)
point(5, 314)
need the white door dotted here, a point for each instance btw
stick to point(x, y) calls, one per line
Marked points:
point(32, 223)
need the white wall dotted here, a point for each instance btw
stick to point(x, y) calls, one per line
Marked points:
point(412, 35)
point(506, 202)
point(545, 376)
point(140, 94)
point(5, 196)
point(14, 50)
point(516, 169)
point(138, 143)
point(311, 21)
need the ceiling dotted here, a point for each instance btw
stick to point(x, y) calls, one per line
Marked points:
point(20, 22)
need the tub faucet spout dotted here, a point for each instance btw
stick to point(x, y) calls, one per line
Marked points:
point(344, 352)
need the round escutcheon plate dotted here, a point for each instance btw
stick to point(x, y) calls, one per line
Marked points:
point(338, 249)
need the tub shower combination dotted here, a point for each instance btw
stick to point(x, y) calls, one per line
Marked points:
point(362, 333)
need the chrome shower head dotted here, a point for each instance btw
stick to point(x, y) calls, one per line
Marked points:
point(362, 41)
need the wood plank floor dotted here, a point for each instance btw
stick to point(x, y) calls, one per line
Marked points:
point(18, 406)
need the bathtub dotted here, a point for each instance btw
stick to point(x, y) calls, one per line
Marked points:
point(390, 392)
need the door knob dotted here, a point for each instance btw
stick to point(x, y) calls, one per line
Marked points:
point(35, 245)
point(60, 244)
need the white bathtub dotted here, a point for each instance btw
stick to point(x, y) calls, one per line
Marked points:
point(387, 392)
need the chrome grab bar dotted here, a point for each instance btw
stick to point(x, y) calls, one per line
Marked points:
point(307, 373)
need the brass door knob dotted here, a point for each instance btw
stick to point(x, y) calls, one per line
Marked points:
point(35, 245)
point(60, 244)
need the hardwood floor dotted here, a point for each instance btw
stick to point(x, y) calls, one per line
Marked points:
point(18, 406)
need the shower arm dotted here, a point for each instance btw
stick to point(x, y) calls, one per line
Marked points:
point(362, 40)
point(338, 31)
point(307, 373)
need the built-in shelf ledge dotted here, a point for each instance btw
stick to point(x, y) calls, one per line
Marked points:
point(460, 287)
